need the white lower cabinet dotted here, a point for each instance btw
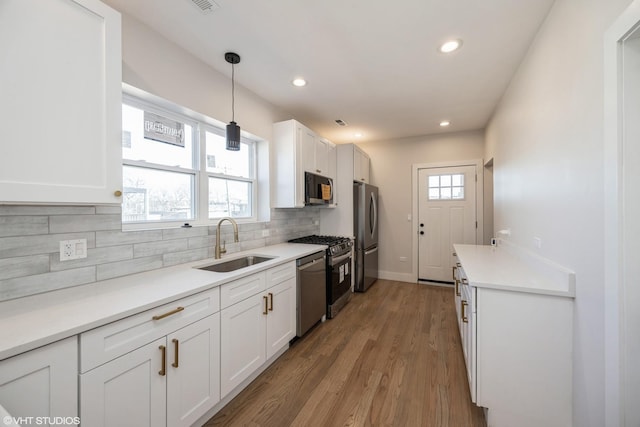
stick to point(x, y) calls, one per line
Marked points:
point(170, 381)
point(127, 391)
point(258, 327)
point(42, 383)
point(517, 348)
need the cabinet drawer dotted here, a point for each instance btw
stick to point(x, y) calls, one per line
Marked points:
point(105, 343)
point(281, 273)
point(241, 289)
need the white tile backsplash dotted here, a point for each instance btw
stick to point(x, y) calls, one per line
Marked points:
point(30, 236)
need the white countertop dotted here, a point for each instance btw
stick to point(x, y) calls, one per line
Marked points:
point(502, 268)
point(30, 322)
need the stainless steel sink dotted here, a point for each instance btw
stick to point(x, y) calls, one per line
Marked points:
point(235, 264)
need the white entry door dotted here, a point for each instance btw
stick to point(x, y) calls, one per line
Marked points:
point(446, 215)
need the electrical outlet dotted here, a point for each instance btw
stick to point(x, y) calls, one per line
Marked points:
point(537, 242)
point(73, 249)
point(266, 233)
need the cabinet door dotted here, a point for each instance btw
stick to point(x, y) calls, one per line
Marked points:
point(42, 382)
point(281, 320)
point(332, 167)
point(242, 341)
point(360, 165)
point(308, 149)
point(129, 391)
point(61, 102)
point(322, 157)
point(457, 298)
point(193, 362)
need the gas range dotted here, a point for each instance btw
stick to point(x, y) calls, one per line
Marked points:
point(336, 245)
point(338, 269)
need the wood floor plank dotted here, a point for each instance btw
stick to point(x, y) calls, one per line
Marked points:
point(392, 357)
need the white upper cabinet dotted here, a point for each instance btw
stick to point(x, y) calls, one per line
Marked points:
point(297, 149)
point(60, 86)
point(360, 165)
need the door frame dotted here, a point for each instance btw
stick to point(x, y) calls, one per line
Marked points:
point(478, 163)
point(614, 231)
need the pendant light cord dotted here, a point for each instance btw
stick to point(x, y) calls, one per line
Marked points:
point(233, 91)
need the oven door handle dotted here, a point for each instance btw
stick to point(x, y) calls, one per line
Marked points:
point(341, 258)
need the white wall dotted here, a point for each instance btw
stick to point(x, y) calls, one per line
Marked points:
point(546, 139)
point(154, 64)
point(391, 163)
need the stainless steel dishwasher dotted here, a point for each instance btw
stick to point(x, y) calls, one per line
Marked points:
point(311, 304)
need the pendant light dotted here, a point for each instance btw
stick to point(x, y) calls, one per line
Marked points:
point(233, 130)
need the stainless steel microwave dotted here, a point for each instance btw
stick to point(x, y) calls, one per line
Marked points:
point(318, 190)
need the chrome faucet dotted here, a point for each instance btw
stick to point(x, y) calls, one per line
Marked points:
point(223, 250)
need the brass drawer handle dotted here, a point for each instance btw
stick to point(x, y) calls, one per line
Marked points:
point(266, 304)
point(464, 281)
point(163, 369)
point(457, 287)
point(458, 264)
point(453, 272)
point(270, 301)
point(176, 344)
point(463, 307)
point(167, 314)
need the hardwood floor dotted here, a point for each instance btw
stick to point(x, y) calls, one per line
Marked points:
point(391, 357)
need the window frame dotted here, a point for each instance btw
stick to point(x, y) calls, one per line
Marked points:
point(207, 127)
point(200, 193)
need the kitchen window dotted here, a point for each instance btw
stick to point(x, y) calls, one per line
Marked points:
point(446, 187)
point(176, 168)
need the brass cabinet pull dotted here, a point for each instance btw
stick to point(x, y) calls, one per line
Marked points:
point(266, 304)
point(464, 281)
point(163, 370)
point(117, 193)
point(167, 314)
point(457, 287)
point(270, 301)
point(454, 254)
point(453, 272)
point(176, 344)
point(463, 306)
point(458, 264)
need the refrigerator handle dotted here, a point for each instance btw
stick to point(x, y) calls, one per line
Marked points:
point(373, 210)
point(370, 251)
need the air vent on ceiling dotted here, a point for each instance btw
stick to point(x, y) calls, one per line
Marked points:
point(205, 6)
point(341, 122)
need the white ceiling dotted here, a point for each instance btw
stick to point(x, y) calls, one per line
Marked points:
point(371, 63)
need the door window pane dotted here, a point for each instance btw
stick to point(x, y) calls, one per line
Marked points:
point(446, 187)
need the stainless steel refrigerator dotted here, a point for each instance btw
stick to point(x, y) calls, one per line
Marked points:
point(365, 225)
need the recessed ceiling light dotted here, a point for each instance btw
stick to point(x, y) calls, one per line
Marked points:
point(450, 46)
point(357, 135)
point(445, 123)
point(299, 82)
